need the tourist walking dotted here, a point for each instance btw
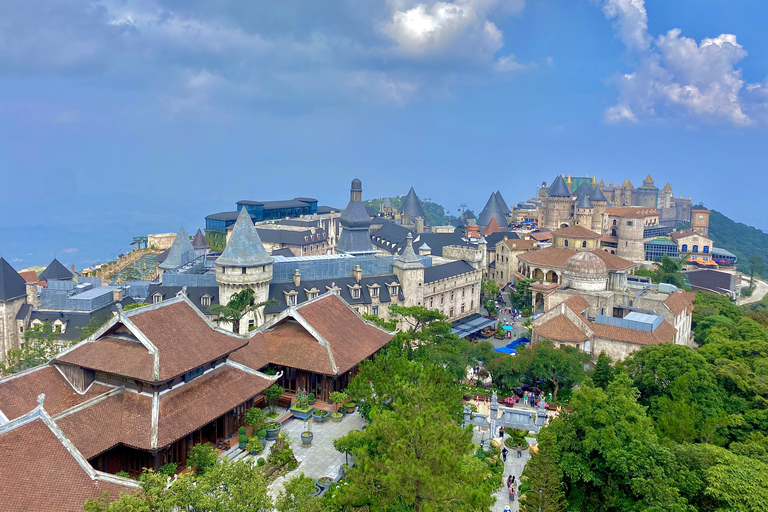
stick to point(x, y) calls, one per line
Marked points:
point(510, 480)
point(504, 453)
point(512, 493)
point(519, 450)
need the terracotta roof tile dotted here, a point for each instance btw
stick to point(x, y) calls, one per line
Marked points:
point(520, 244)
point(113, 355)
point(29, 276)
point(577, 304)
point(18, 394)
point(664, 333)
point(560, 328)
point(189, 407)
point(543, 236)
point(40, 475)
point(124, 418)
point(613, 262)
point(577, 231)
point(679, 300)
point(289, 344)
point(550, 257)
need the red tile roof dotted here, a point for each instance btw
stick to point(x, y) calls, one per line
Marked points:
point(638, 212)
point(560, 328)
point(29, 276)
point(577, 304)
point(113, 355)
point(679, 300)
point(664, 333)
point(18, 394)
point(40, 475)
point(577, 231)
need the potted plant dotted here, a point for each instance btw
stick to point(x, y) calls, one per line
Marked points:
point(350, 406)
point(307, 435)
point(339, 397)
point(336, 417)
point(272, 429)
point(255, 418)
point(311, 399)
point(319, 415)
point(242, 437)
point(273, 394)
point(301, 408)
point(254, 446)
point(262, 436)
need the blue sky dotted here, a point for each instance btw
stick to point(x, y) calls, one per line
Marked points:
point(124, 117)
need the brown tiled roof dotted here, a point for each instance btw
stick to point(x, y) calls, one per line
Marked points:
point(609, 239)
point(664, 333)
point(183, 338)
point(124, 418)
point(638, 212)
point(520, 245)
point(113, 355)
point(492, 227)
point(684, 233)
point(613, 262)
point(542, 236)
point(29, 276)
point(189, 407)
point(352, 339)
point(577, 231)
point(40, 475)
point(560, 328)
point(679, 300)
point(18, 395)
point(549, 257)
point(288, 343)
point(577, 304)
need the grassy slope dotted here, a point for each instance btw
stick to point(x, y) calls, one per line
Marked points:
point(742, 240)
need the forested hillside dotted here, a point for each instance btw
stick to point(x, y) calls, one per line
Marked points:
point(742, 240)
point(435, 212)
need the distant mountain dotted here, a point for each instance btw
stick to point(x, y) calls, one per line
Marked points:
point(435, 212)
point(742, 240)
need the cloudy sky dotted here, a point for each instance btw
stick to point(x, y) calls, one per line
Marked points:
point(123, 117)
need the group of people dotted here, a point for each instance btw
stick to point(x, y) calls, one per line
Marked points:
point(511, 483)
point(511, 488)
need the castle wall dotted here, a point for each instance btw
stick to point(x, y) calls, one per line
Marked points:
point(455, 297)
point(9, 331)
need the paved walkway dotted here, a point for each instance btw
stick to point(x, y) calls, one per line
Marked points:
point(513, 466)
point(320, 458)
point(761, 288)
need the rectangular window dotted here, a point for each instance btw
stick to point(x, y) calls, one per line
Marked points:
point(442, 299)
point(374, 292)
point(312, 295)
point(393, 290)
point(356, 293)
point(205, 300)
point(451, 295)
point(462, 308)
point(451, 313)
point(431, 302)
point(375, 310)
point(244, 270)
point(291, 299)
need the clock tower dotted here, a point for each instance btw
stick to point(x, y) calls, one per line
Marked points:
point(700, 221)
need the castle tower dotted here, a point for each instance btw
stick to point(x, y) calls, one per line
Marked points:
point(13, 295)
point(412, 209)
point(355, 223)
point(245, 264)
point(599, 203)
point(583, 211)
point(627, 190)
point(558, 206)
point(494, 208)
point(178, 254)
point(629, 232)
point(410, 272)
point(700, 221)
point(665, 197)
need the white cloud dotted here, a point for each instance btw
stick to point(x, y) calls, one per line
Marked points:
point(69, 250)
point(509, 64)
point(676, 77)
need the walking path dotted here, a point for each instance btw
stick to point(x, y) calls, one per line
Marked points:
point(513, 466)
point(761, 289)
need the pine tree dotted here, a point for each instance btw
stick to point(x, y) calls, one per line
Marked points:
point(541, 484)
point(603, 373)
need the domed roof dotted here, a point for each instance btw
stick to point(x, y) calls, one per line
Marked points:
point(586, 262)
point(357, 185)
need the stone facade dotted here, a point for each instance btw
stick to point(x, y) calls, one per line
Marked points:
point(455, 297)
point(8, 325)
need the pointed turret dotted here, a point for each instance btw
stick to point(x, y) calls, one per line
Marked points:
point(594, 180)
point(55, 271)
point(602, 183)
point(584, 188)
point(667, 187)
point(583, 201)
point(199, 243)
point(597, 195)
point(12, 285)
point(627, 184)
point(412, 205)
point(559, 188)
point(502, 203)
point(244, 248)
point(409, 260)
point(355, 222)
point(493, 209)
point(180, 247)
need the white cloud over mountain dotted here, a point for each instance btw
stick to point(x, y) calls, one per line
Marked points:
point(676, 77)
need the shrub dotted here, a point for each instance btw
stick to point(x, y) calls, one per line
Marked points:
point(255, 418)
point(311, 396)
point(168, 469)
point(254, 445)
point(243, 439)
point(202, 457)
point(241, 431)
point(336, 415)
point(320, 412)
point(349, 404)
point(123, 474)
point(272, 425)
point(261, 434)
point(261, 461)
point(337, 397)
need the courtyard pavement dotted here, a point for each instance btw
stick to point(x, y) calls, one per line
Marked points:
point(513, 466)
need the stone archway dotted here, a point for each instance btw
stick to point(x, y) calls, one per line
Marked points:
point(538, 302)
point(537, 274)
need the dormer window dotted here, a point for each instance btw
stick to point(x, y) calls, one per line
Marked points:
point(205, 300)
point(355, 293)
point(291, 297)
point(156, 298)
point(375, 292)
point(393, 290)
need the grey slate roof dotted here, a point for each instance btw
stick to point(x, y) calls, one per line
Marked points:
point(23, 311)
point(244, 248)
point(583, 201)
point(277, 291)
point(162, 256)
point(199, 242)
point(559, 188)
point(409, 260)
point(452, 269)
point(584, 188)
point(12, 285)
point(327, 209)
point(284, 236)
point(355, 235)
point(55, 271)
point(597, 195)
point(180, 246)
point(493, 208)
point(195, 294)
point(77, 321)
point(283, 252)
point(495, 238)
point(412, 205)
point(392, 238)
point(502, 203)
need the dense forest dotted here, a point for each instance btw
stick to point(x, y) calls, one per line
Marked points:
point(742, 240)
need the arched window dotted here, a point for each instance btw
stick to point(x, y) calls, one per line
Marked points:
point(584, 243)
point(695, 248)
point(565, 243)
point(614, 222)
point(685, 248)
point(706, 249)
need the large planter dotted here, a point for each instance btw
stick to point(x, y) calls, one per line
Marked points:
point(320, 416)
point(301, 413)
point(306, 438)
point(272, 433)
point(336, 417)
point(350, 407)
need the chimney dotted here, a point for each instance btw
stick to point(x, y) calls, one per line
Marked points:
point(425, 250)
point(296, 277)
point(117, 294)
point(73, 268)
point(357, 273)
point(356, 191)
point(419, 225)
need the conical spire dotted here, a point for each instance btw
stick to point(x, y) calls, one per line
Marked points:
point(180, 246)
point(12, 285)
point(55, 271)
point(244, 248)
point(583, 201)
point(355, 222)
point(412, 205)
point(597, 195)
point(559, 188)
point(199, 242)
point(493, 208)
point(502, 203)
point(408, 260)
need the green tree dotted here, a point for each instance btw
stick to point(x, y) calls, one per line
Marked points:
point(756, 266)
point(670, 271)
point(239, 305)
point(542, 362)
point(202, 457)
point(602, 375)
point(300, 495)
point(40, 344)
point(273, 394)
point(521, 296)
point(541, 486)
